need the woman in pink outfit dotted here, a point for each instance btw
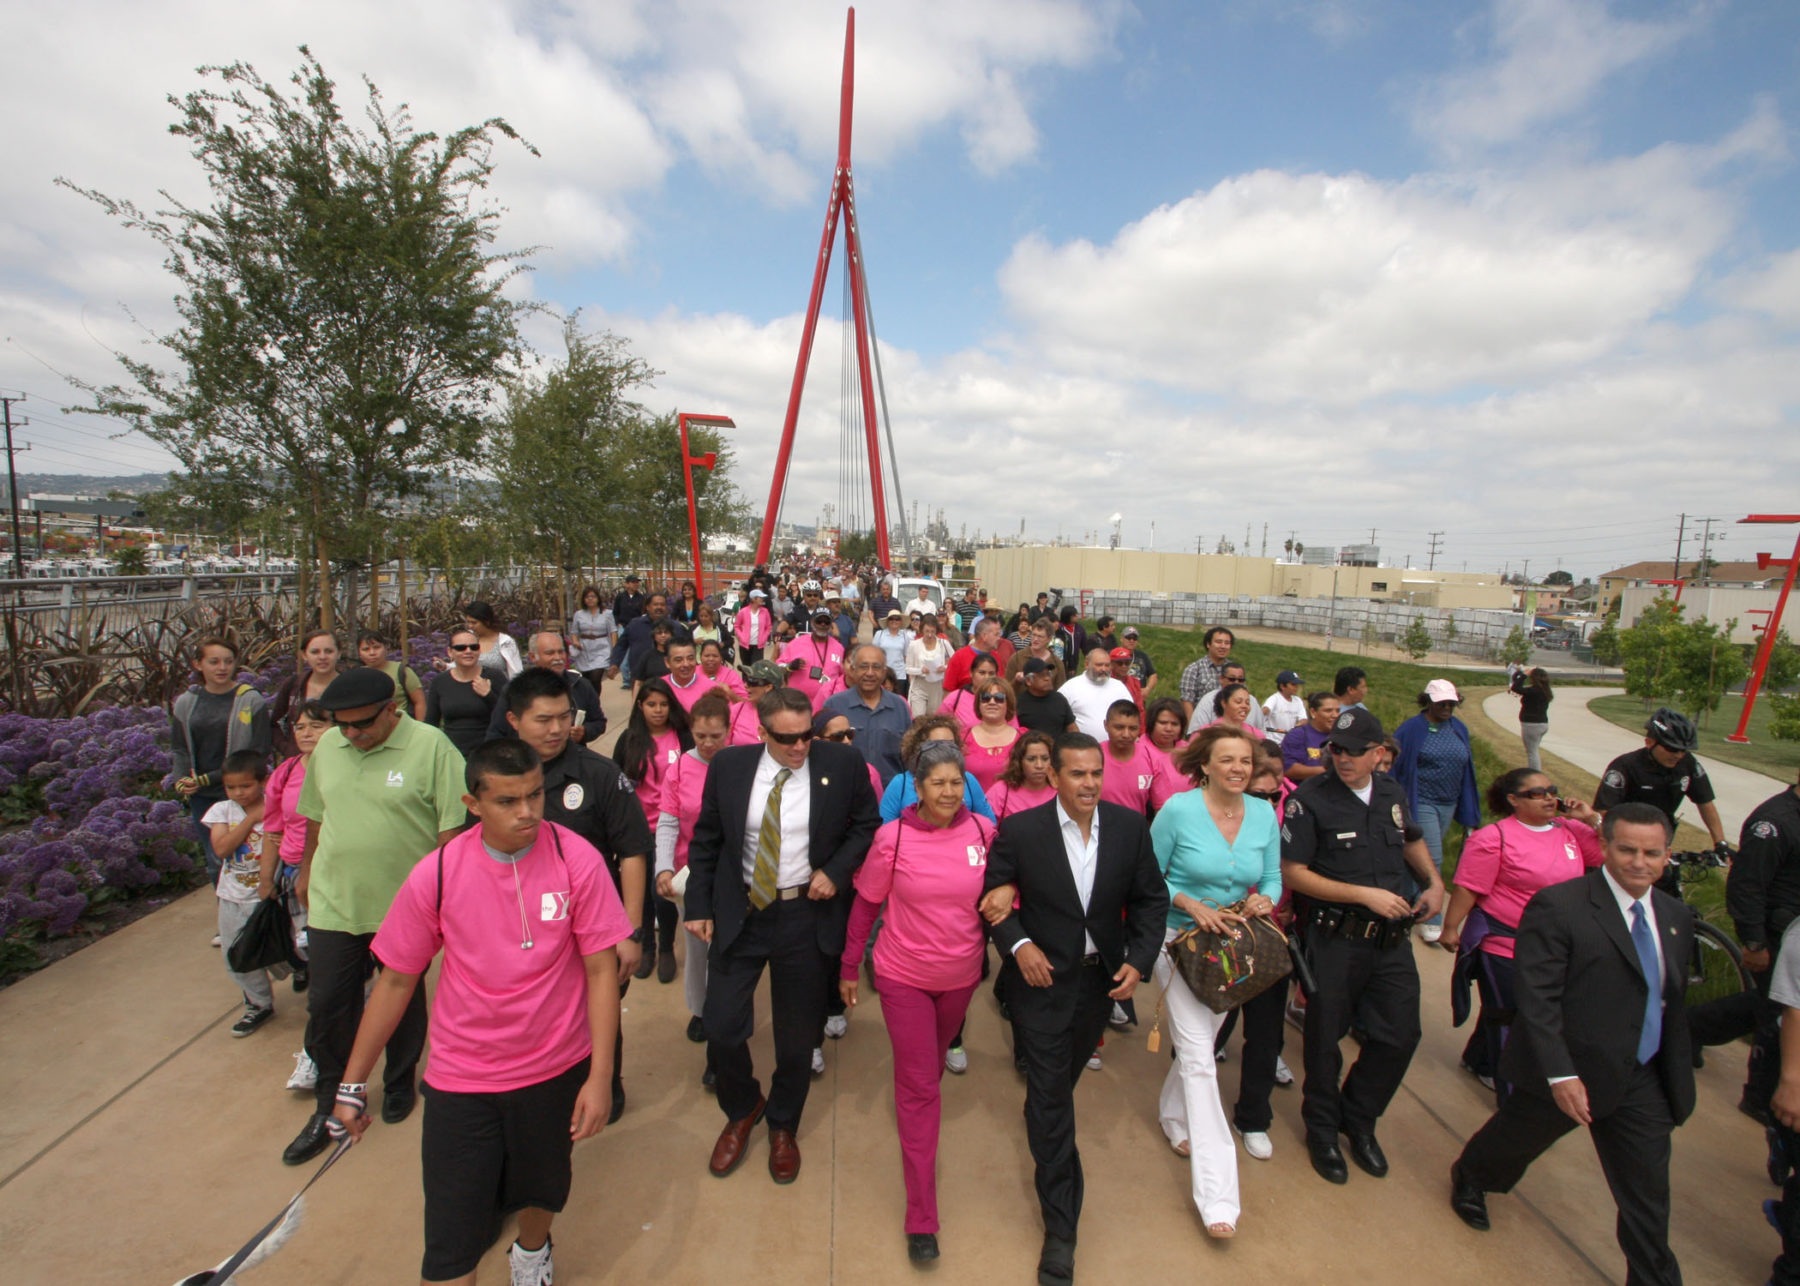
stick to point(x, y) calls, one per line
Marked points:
point(1163, 721)
point(1026, 782)
point(1233, 704)
point(708, 723)
point(927, 868)
point(987, 746)
point(961, 703)
point(753, 629)
point(1538, 841)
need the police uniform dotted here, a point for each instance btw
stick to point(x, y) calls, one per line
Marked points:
point(1637, 778)
point(1362, 965)
point(1762, 894)
point(587, 793)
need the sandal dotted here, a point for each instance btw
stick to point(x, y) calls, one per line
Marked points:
point(1181, 1149)
point(1221, 1231)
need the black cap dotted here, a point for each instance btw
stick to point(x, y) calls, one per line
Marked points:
point(1036, 665)
point(1356, 730)
point(631, 578)
point(821, 615)
point(356, 688)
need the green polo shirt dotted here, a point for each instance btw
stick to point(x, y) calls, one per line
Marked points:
point(379, 812)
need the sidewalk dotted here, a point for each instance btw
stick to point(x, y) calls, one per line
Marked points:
point(142, 1143)
point(1585, 739)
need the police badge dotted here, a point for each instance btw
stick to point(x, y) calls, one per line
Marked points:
point(572, 796)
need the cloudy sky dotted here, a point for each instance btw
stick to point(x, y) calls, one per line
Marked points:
point(1525, 272)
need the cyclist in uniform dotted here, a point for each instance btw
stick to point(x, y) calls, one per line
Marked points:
point(1664, 773)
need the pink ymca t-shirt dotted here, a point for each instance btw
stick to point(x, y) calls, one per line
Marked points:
point(987, 763)
point(930, 879)
point(1132, 783)
point(701, 684)
point(746, 725)
point(1508, 863)
point(505, 1016)
point(656, 767)
point(1006, 800)
point(1172, 781)
point(281, 809)
point(681, 790)
point(726, 677)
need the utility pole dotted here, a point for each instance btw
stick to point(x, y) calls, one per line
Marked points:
point(1437, 542)
point(1371, 535)
point(1525, 573)
point(1265, 544)
point(12, 484)
point(1246, 549)
point(1705, 566)
point(1680, 531)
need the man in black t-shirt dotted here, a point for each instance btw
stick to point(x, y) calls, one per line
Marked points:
point(1041, 708)
point(628, 603)
point(1662, 774)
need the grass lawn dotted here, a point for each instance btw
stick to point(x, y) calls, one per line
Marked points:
point(1764, 754)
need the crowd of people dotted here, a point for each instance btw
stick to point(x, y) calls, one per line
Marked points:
point(863, 812)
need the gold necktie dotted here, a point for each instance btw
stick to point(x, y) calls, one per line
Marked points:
point(768, 846)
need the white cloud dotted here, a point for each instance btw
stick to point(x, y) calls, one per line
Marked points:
point(1772, 288)
point(1549, 57)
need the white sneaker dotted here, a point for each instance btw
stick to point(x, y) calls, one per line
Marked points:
point(836, 1026)
point(956, 1060)
point(215, 940)
point(1119, 1017)
point(530, 1267)
point(306, 1072)
point(1431, 932)
point(1094, 1063)
point(1284, 1075)
point(818, 1064)
point(1256, 1143)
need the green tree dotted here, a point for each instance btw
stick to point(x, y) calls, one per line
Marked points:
point(1784, 664)
point(1706, 665)
point(1416, 642)
point(131, 560)
point(1450, 633)
point(1647, 652)
point(1516, 648)
point(1559, 577)
point(1605, 641)
point(654, 509)
point(343, 317)
point(1784, 717)
point(857, 547)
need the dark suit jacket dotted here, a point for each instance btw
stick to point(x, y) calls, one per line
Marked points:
point(1579, 995)
point(843, 816)
point(1125, 914)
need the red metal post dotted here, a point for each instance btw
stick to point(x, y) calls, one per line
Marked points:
point(1678, 584)
point(688, 462)
point(871, 428)
point(1769, 631)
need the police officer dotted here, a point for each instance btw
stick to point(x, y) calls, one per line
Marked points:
point(811, 600)
point(587, 793)
point(1346, 846)
point(1762, 894)
point(1663, 773)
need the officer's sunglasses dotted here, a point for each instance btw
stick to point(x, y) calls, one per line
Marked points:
point(1538, 792)
point(788, 738)
point(1345, 751)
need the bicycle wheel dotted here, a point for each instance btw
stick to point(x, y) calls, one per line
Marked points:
point(1717, 969)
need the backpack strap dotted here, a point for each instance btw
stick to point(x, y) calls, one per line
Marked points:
point(440, 891)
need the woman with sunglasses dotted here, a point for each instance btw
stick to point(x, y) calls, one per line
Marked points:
point(960, 704)
point(656, 736)
point(987, 746)
point(461, 699)
point(1026, 781)
point(1539, 840)
point(926, 869)
point(828, 725)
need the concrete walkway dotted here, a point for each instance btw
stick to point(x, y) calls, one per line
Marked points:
point(141, 1143)
point(1585, 739)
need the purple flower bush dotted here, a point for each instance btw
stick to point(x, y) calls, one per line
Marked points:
point(97, 835)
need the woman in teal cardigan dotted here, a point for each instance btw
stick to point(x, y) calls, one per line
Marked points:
point(1216, 847)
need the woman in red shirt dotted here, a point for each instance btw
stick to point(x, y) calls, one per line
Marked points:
point(1539, 840)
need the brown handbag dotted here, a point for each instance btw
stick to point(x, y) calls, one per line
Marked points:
point(1224, 970)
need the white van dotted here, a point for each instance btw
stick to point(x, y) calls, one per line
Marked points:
point(906, 589)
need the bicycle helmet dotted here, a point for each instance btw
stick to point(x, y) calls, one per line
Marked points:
point(811, 587)
point(1675, 731)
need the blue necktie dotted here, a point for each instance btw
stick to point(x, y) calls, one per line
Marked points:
point(1650, 1039)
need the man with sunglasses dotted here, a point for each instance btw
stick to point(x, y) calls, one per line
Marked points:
point(1347, 844)
point(782, 829)
point(879, 717)
point(380, 793)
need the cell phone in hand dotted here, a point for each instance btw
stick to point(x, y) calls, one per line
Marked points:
point(1562, 805)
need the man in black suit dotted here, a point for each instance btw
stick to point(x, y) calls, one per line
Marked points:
point(782, 828)
point(1600, 1039)
point(1092, 905)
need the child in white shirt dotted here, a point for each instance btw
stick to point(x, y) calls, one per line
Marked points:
point(236, 826)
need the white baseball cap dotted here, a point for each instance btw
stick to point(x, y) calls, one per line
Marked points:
point(1441, 690)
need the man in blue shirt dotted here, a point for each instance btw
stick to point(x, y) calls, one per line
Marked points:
point(878, 717)
point(637, 639)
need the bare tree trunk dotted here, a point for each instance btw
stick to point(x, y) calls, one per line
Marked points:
point(327, 617)
point(374, 593)
point(401, 596)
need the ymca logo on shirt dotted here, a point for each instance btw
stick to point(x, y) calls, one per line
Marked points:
point(977, 854)
point(1146, 780)
point(555, 907)
point(396, 778)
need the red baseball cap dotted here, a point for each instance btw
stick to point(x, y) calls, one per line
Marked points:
point(1120, 654)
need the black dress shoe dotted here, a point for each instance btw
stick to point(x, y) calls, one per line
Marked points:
point(1468, 1200)
point(696, 1031)
point(1367, 1154)
point(921, 1247)
point(646, 964)
point(397, 1105)
point(313, 1139)
point(665, 967)
point(301, 979)
point(1327, 1160)
point(1056, 1262)
point(709, 1082)
point(618, 1104)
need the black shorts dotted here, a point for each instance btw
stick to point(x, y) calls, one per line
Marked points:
point(488, 1155)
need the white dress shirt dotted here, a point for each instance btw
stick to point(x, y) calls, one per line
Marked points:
point(796, 811)
point(1083, 857)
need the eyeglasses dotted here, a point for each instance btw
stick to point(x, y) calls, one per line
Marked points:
point(465, 647)
point(357, 725)
point(990, 698)
point(788, 738)
point(1336, 749)
point(846, 735)
point(1538, 792)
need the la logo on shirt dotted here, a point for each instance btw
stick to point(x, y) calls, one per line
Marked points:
point(555, 906)
point(396, 778)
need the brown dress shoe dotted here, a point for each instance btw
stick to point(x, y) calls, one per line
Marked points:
point(784, 1156)
point(733, 1139)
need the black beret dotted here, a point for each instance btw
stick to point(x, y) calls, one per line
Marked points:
point(358, 687)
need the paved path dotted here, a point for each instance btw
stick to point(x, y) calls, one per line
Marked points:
point(1588, 741)
point(141, 1143)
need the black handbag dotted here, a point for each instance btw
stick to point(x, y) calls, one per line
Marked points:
point(266, 941)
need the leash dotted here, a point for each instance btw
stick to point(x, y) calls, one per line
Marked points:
point(224, 1271)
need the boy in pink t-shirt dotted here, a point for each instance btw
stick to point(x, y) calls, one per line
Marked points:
point(523, 1023)
point(1136, 777)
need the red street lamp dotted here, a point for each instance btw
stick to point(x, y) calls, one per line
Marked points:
point(1763, 563)
point(688, 462)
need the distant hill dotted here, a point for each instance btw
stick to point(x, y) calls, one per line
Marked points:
point(82, 484)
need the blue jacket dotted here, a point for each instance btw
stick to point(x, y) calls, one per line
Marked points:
point(901, 792)
point(1411, 735)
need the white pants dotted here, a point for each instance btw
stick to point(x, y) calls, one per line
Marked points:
point(925, 696)
point(1190, 1108)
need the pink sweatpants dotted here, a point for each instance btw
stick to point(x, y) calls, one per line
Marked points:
point(920, 1025)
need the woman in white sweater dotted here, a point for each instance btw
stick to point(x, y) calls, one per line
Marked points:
point(926, 658)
